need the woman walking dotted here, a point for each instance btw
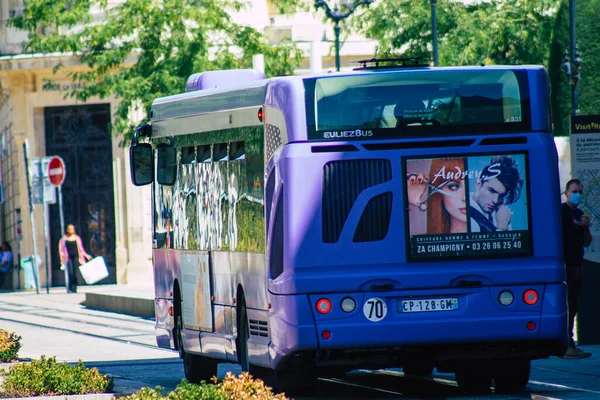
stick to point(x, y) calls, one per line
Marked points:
point(72, 255)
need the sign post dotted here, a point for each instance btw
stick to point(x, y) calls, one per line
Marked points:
point(41, 174)
point(34, 257)
point(44, 194)
point(19, 235)
point(57, 172)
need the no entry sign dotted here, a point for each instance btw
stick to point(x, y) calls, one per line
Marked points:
point(56, 171)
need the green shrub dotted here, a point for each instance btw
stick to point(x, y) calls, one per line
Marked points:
point(242, 387)
point(48, 377)
point(10, 344)
point(183, 391)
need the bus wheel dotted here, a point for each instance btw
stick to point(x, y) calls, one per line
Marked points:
point(178, 334)
point(474, 378)
point(242, 338)
point(196, 368)
point(199, 368)
point(292, 383)
point(417, 369)
point(512, 375)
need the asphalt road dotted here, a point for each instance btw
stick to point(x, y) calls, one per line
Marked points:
point(124, 347)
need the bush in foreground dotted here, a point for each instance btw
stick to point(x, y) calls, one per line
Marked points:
point(10, 344)
point(50, 378)
point(242, 387)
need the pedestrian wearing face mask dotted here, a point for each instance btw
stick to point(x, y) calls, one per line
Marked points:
point(576, 236)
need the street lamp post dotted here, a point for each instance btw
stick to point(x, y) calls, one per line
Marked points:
point(434, 31)
point(336, 15)
point(572, 66)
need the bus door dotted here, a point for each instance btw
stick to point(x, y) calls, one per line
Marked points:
point(196, 290)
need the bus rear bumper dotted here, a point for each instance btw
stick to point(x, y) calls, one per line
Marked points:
point(480, 329)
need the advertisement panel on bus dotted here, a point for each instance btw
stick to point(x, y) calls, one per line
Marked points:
point(467, 206)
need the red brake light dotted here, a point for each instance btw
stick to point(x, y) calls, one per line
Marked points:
point(326, 335)
point(323, 306)
point(260, 114)
point(530, 297)
point(531, 325)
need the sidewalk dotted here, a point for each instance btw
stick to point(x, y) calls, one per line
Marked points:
point(134, 300)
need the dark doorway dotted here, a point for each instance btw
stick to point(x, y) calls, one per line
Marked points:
point(81, 136)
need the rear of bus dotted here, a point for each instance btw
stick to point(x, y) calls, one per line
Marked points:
point(418, 222)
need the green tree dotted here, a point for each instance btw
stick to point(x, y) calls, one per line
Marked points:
point(491, 32)
point(146, 49)
point(588, 40)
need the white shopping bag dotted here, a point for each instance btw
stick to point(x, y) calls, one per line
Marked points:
point(94, 270)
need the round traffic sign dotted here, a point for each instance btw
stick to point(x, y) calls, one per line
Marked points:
point(56, 171)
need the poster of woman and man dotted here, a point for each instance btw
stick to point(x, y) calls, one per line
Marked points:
point(467, 199)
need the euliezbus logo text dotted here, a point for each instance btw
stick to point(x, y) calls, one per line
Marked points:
point(347, 134)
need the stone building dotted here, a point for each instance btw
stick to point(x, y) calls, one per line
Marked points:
point(112, 216)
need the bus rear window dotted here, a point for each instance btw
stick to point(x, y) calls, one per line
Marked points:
point(417, 103)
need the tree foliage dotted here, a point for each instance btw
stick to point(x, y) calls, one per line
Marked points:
point(490, 32)
point(143, 49)
point(588, 40)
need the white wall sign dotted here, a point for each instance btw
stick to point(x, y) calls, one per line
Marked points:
point(585, 166)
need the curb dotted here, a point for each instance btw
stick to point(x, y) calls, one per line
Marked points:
point(129, 304)
point(95, 396)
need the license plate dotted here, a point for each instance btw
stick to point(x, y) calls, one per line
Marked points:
point(424, 305)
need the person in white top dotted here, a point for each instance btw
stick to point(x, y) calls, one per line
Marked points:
point(498, 186)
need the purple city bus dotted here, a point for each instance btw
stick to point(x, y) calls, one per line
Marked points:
point(393, 216)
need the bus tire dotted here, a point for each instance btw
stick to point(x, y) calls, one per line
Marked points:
point(199, 368)
point(196, 368)
point(512, 375)
point(242, 337)
point(292, 383)
point(178, 339)
point(474, 378)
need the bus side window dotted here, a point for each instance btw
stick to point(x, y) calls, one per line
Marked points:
point(166, 169)
point(188, 155)
point(237, 151)
point(203, 154)
point(220, 152)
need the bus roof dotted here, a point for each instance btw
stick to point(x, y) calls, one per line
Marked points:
point(289, 89)
point(255, 86)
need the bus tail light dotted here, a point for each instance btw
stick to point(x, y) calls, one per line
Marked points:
point(323, 306)
point(531, 326)
point(530, 297)
point(326, 335)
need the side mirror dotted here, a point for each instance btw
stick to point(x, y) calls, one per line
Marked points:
point(166, 169)
point(142, 171)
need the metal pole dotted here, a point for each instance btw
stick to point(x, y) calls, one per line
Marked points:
point(18, 235)
point(43, 184)
point(336, 28)
point(62, 229)
point(34, 257)
point(434, 31)
point(574, 102)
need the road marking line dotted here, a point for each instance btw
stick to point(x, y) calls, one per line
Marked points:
point(453, 383)
point(556, 385)
point(343, 382)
